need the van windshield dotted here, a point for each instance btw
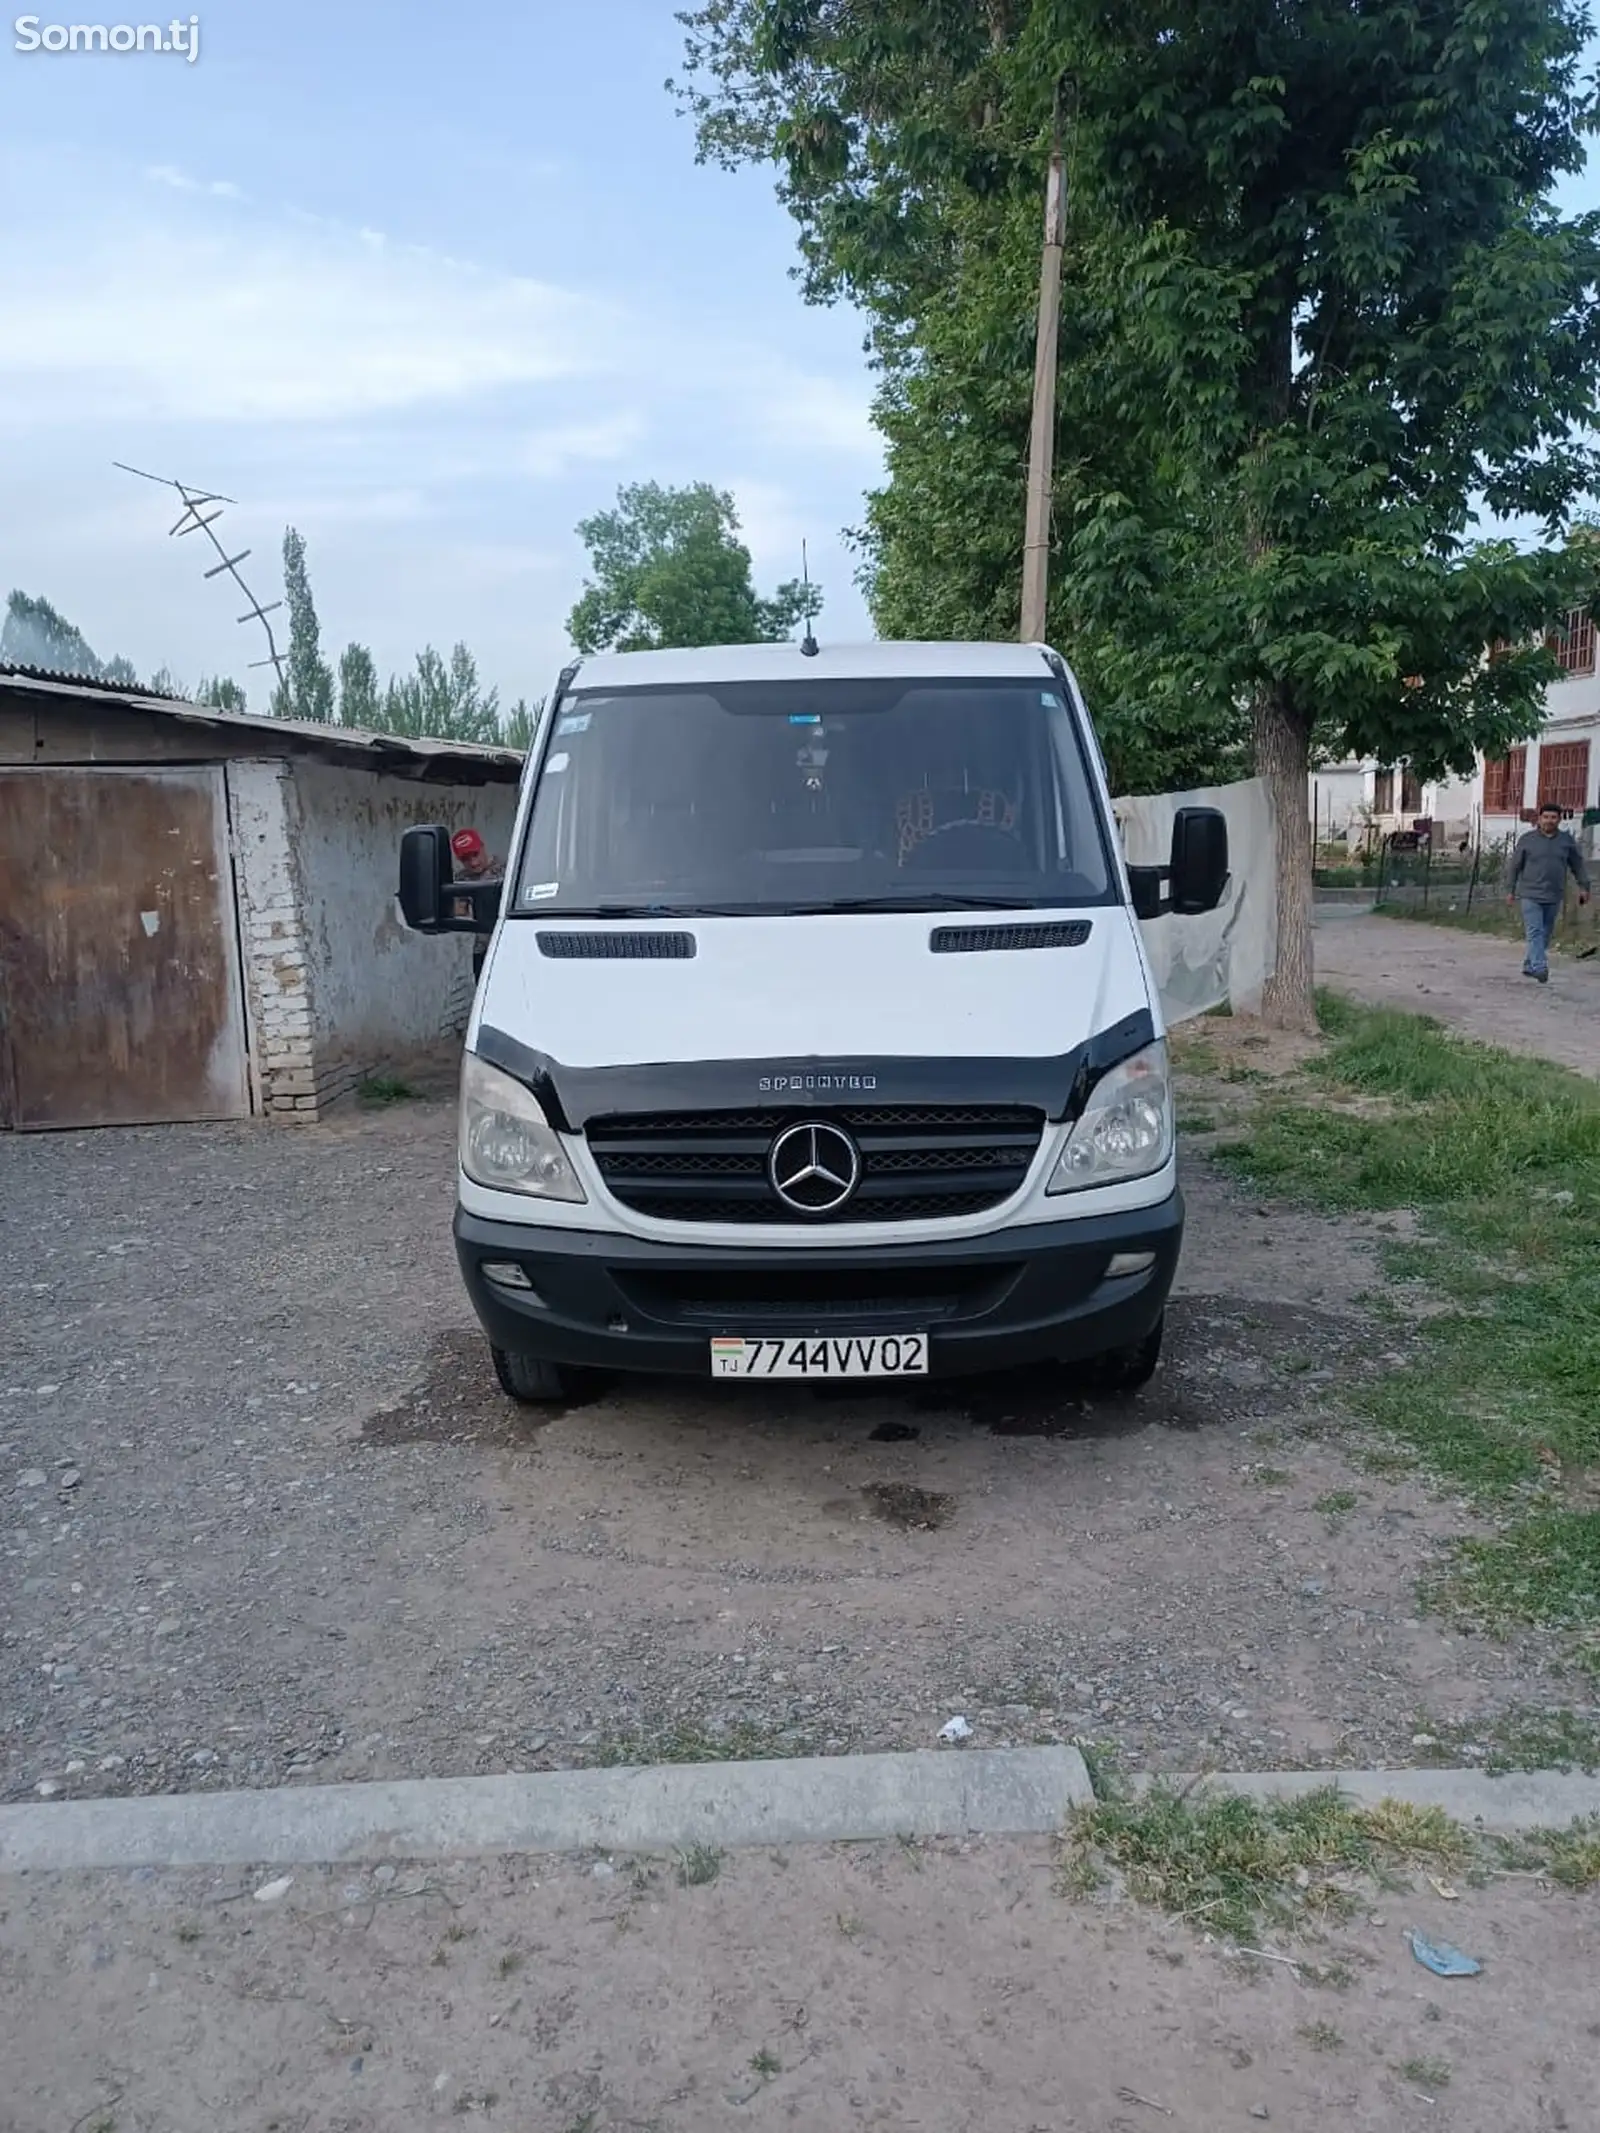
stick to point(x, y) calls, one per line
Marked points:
point(813, 796)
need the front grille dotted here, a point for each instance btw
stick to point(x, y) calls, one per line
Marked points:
point(919, 1162)
point(988, 940)
point(800, 1299)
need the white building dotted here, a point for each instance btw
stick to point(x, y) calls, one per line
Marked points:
point(1353, 801)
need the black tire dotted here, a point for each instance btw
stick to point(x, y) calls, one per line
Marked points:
point(530, 1379)
point(1127, 1369)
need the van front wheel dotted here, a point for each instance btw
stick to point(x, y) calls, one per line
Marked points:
point(530, 1379)
point(1127, 1369)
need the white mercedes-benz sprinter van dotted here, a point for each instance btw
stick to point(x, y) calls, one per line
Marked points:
point(816, 1037)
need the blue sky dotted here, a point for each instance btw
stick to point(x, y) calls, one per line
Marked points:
point(428, 286)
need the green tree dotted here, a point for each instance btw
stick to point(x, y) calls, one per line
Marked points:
point(667, 567)
point(1324, 314)
point(442, 700)
point(518, 725)
point(35, 634)
point(222, 693)
point(121, 671)
point(163, 682)
point(360, 703)
point(306, 690)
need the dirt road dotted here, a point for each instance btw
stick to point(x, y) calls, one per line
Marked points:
point(268, 1518)
point(947, 1988)
point(1472, 983)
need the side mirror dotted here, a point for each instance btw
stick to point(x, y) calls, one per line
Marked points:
point(426, 871)
point(1197, 878)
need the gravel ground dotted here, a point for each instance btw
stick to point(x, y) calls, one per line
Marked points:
point(876, 1986)
point(265, 1517)
point(1468, 980)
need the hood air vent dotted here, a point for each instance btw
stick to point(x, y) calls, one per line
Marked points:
point(989, 940)
point(618, 947)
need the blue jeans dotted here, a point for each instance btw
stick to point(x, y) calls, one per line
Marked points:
point(1538, 923)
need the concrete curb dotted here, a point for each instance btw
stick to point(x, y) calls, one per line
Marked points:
point(1523, 1799)
point(813, 1801)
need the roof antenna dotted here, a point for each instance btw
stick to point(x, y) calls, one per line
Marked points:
point(808, 643)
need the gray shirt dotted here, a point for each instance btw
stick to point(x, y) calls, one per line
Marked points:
point(1540, 865)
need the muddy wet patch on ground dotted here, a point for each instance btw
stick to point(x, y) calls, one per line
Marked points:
point(914, 1510)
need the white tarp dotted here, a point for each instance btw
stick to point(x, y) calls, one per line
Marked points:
point(1229, 954)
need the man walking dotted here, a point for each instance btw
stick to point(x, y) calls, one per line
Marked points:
point(1537, 879)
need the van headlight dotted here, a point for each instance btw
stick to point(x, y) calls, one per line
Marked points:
point(1126, 1128)
point(506, 1141)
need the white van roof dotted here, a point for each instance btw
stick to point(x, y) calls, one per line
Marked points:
point(889, 660)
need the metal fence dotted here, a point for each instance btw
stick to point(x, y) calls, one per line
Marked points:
point(1417, 868)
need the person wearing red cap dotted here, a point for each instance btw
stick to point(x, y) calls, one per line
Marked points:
point(472, 860)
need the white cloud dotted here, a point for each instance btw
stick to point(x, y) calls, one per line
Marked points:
point(547, 453)
point(261, 322)
point(819, 414)
point(180, 182)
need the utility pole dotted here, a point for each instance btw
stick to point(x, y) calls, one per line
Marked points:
point(1041, 443)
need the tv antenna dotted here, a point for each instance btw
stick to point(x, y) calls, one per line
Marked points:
point(808, 643)
point(198, 516)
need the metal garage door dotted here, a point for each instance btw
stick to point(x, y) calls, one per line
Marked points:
point(120, 1001)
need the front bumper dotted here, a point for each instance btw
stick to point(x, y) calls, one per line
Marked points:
point(1031, 1294)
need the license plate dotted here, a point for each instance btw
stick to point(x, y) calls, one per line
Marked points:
point(872, 1355)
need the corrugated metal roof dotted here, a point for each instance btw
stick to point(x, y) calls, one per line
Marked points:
point(351, 744)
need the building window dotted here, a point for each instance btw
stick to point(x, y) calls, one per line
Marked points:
point(1505, 783)
point(1564, 775)
point(1573, 643)
point(1383, 792)
point(1410, 793)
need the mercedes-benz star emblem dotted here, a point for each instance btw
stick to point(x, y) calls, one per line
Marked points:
point(814, 1168)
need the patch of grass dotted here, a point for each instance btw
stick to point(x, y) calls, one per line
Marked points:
point(1425, 2073)
point(1571, 1857)
point(691, 1743)
point(475, 2100)
point(1322, 2037)
point(1500, 1157)
point(511, 1962)
point(1268, 1477)
point(1543, 1740)
point(698, 1866)
point(379, 1090)
point(766, 2064)
point(1235, 1865)
point(1545, 1568)
point(1192, 1053)
point(1197, 1122)
point(187, 1932)
point(1338, 1503)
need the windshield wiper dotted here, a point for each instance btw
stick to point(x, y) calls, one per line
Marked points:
point(925, 900)
point(822, 907)
point(647, 911)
